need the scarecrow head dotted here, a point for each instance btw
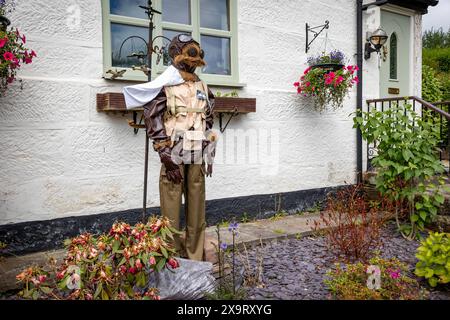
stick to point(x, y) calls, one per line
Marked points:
point(186, 54)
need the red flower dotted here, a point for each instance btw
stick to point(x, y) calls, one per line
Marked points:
point(296, 84)
point(42, 278)
point(307, 70)
point(33, 54)
point(8, 56)
point(3, 41)
point(299, 90)
point(10, 80)
point(23, 38)
point(173, 263)
point(308, 84)
point(355, 79)
point(132, 270)
point(122, 269)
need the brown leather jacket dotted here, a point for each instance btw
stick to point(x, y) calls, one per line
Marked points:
point(154, 116)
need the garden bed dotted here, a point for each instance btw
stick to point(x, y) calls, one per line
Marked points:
point(295, 268)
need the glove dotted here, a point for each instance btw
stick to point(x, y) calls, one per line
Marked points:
point(172, 169)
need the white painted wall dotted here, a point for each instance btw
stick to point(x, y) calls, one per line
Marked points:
point(59, 157)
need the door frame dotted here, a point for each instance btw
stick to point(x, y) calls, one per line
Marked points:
point(411, 14)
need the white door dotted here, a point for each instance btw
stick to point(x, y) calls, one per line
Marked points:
point(395, 55)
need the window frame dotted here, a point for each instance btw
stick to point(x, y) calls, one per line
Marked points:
point(391, 56)
point(194, 29)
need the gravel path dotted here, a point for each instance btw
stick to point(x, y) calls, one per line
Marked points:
point(295, 268)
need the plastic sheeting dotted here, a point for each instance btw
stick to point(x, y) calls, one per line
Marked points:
point(190, 281)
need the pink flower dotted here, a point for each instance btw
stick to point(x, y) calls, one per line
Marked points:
point(10, 80)
point(122, 269)
point(355, 79)
point(328, 80)
point(23, 38)
point(33, 53)
point(394, 274)
point(308, 84)
point(152, 260)
point(173, 263)
point(3, 41)
point(299, 90)
point(42, 278)
point(296, 84)
point(307, 70)
point(138, 264)
point(8, 56)
point(339, 80)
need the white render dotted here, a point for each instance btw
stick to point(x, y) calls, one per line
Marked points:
point(59, 157)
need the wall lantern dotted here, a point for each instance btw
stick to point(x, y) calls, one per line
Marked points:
point(374, 42)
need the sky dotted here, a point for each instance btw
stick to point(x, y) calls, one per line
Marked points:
point(438, 16)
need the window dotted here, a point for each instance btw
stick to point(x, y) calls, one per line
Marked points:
point(213, 23)
point(393, 57)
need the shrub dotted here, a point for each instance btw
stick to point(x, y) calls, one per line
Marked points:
point(431, 85)
point(434, 259)
point(111, 266)
point(352, 282)
point(406, 161)
point(352, 225)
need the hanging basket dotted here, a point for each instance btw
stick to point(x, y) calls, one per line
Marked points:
point(328, 67)
point(4, 23)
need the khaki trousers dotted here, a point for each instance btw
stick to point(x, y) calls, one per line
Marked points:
point(193, 189)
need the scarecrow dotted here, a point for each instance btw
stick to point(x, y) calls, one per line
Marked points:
point(178, 112)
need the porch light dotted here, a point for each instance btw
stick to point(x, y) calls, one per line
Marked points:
point(374, 43)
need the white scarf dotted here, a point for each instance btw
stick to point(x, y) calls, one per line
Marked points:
point(140, 94)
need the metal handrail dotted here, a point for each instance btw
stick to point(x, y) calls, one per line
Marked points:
point(420, 100)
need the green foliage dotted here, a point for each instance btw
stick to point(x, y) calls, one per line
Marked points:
point(106, 267)
point(436, 39)
point(431, 86)
point(231, 94)
point(351, 282)
point(438, 59)
point(434, 259)
point(406, 161)
point(278, 215)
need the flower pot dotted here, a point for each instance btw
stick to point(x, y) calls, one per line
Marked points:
point(328, 67)
point(4, 23)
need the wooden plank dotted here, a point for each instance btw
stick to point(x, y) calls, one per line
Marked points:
point(114, 101)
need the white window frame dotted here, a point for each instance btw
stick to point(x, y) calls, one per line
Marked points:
point(194, 29)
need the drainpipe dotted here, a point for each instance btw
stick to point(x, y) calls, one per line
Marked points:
point(359, 61)
point(359, 94)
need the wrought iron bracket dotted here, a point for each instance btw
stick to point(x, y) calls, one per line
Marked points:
point(223, 128)
point(133, 123)
point(316, 33)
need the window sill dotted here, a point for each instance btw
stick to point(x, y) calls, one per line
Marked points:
point(115, 102)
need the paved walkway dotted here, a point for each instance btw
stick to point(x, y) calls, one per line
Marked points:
point(250, 233)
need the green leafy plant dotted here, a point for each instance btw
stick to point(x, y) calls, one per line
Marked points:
point(116, 265)
point(431, 85)
point(434, 259)
point(350, 282)
point(406, 161)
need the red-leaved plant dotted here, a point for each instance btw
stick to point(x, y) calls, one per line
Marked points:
point(116, 265)
point(353, 224)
